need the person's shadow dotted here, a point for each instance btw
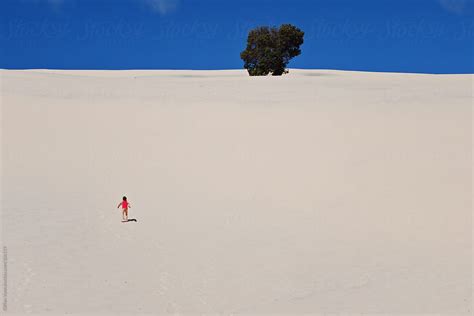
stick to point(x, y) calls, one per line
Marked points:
point(130, 220)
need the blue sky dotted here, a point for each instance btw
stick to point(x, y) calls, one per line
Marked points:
point(430, 36)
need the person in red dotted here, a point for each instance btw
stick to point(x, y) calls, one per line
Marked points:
point(125, 205)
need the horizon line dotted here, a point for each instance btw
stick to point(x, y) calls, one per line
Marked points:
point(241, 69)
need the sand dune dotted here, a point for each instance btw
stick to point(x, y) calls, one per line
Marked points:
point(316, 192)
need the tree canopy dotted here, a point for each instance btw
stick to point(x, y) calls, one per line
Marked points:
point(270, 49)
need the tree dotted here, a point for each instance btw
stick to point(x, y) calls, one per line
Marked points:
point(269, 50)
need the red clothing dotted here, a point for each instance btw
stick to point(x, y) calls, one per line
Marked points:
point(124, 204)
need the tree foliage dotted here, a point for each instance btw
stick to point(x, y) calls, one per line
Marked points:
point(269, 50)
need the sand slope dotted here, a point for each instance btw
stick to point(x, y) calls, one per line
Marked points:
point(317, 192)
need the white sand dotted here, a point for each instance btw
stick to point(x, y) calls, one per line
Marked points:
point(316, 192)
